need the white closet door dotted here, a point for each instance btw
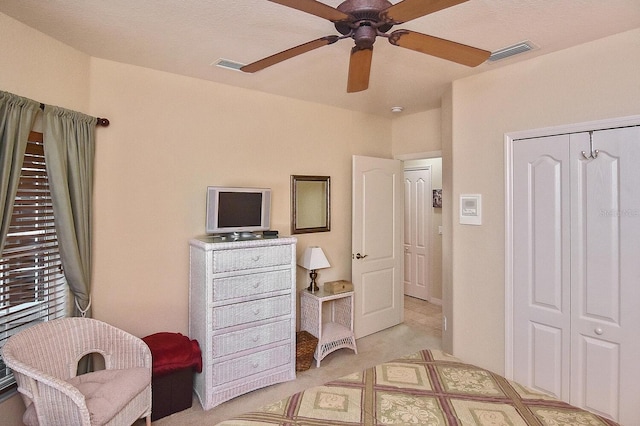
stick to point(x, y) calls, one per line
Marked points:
point(541, 227)
point(605, 273)
point(576, 269)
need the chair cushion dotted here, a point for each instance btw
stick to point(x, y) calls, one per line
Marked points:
point(107, 392)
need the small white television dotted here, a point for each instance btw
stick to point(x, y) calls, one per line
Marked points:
point(237, 210)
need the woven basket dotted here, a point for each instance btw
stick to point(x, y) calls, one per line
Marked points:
point(305, 348)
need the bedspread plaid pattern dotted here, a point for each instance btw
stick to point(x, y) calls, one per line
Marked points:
point(428, 387)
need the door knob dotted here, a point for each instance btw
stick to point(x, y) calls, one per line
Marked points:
point(598, 331)
point(359, 256)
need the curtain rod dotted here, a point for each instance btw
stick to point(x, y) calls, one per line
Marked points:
point(104, 122)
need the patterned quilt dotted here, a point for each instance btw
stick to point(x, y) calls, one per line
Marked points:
point(429, 388)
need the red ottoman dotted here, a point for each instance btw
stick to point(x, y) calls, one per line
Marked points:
point(175, 358)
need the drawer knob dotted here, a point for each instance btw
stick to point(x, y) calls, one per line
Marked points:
point(254, 364)
point(256, 311)
point(255, 258)
point(256, 338)
point(256, 285)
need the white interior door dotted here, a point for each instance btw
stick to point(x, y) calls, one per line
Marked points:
point(417, 226)
point(377, 222)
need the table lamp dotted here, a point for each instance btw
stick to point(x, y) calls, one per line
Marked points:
point(313, 259)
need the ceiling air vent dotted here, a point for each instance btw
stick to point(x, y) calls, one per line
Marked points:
point(230, 65)
point(509, 51)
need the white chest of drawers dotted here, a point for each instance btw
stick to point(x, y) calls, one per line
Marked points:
point(242, 312)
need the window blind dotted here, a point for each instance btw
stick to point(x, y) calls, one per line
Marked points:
point(32, 283)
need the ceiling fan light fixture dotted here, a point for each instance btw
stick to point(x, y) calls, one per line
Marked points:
point(228, 64)
point(397, 109)
point(512, 50)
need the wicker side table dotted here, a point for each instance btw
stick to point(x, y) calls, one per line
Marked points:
point(334, 333)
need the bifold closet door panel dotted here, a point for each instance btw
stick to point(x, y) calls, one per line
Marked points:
point(605, 272)
point(541, 227)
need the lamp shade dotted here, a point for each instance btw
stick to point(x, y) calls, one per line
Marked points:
point(313, 258)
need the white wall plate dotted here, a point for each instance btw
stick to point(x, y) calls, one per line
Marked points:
point(470, 209)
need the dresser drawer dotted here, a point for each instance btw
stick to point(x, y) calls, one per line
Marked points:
point(250, 284)
point(255, 363)
point(256, 310)
point(230, 343)
point(251, 258)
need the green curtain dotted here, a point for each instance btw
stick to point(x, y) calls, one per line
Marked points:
point(17, 115)
point(69, 148)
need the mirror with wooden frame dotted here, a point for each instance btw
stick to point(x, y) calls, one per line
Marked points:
point(310, 204)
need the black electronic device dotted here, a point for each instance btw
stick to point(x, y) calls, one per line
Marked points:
point(233, 210)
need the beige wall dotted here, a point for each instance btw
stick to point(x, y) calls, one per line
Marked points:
point(38, 67)
point(170, 137)
point(416, 133)
point(446, 114)
point(593, 81)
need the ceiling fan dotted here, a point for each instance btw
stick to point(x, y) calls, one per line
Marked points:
point(363, 21)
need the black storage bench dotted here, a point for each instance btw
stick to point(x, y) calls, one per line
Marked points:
point(175, 359)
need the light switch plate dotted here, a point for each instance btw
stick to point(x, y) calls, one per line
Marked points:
point(470, 209)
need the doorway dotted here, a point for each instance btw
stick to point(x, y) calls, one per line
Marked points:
point(417, 232)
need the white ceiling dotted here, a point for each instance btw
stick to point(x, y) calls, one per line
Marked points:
point(187, 36)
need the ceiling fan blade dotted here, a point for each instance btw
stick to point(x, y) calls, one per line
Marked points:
point(359, 69)
point(289, 53)
point(445, 49)
point(315, 8)
point(411, 9)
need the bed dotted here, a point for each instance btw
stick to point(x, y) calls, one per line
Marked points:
point(427, 387)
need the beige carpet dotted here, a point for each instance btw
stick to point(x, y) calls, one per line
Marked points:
point(421, 330)
point(423, 315)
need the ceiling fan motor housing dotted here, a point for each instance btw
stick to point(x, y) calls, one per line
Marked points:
point(364, 13)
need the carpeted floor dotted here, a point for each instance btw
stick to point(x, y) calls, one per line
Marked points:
point(421, 330)
point(423, 315)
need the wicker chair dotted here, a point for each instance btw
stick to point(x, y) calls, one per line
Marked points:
point(44, 360)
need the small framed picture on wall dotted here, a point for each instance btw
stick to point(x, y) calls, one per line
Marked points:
point(437, 198)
